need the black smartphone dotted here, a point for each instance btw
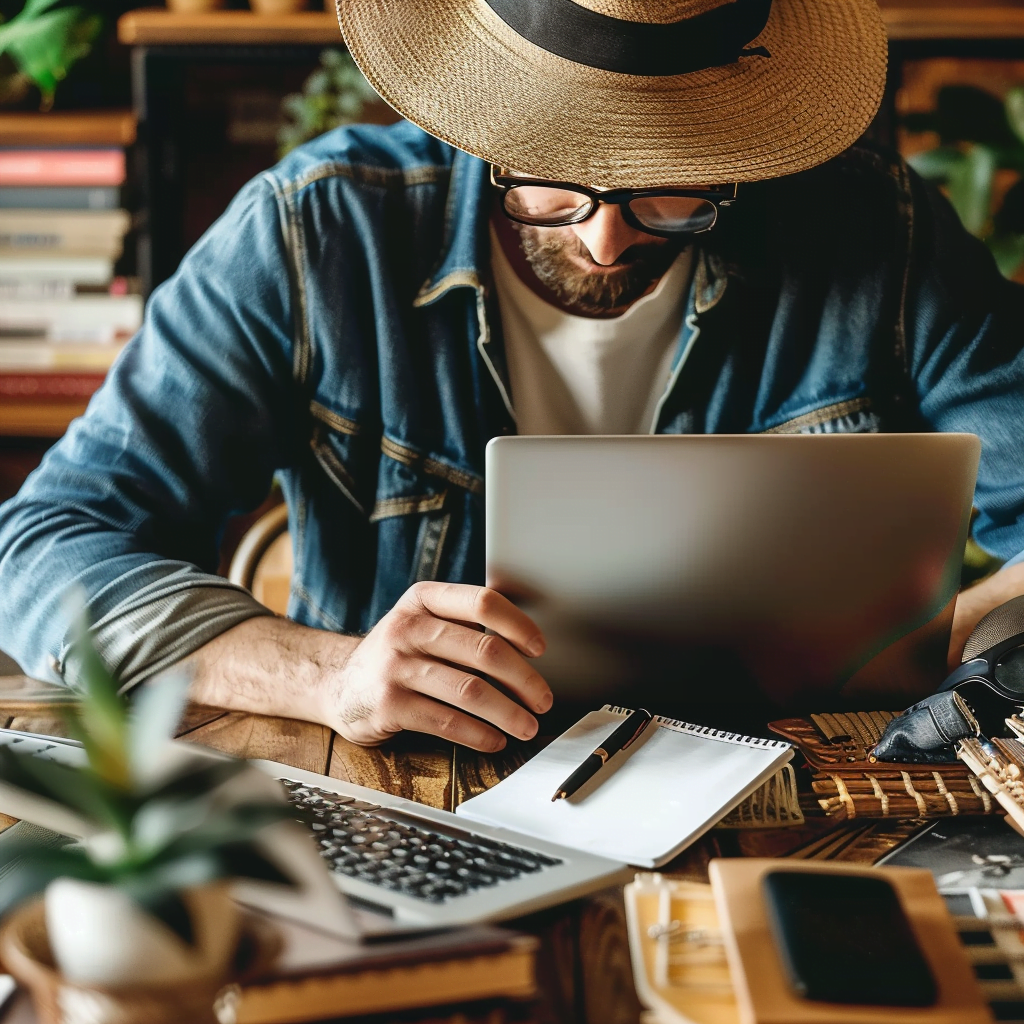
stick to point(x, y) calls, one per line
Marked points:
point(846, 939)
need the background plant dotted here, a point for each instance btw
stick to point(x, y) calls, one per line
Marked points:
point(39, 45)
point(981, 142)
point(333, 95)
point(156, 821)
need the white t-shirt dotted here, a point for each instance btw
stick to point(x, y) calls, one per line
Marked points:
point(580, 375)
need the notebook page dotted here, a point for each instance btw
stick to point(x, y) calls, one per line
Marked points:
point(646, 804)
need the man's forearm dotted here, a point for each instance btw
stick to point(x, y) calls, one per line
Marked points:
point(424, 667)
point(270, 666)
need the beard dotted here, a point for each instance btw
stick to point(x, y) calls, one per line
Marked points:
point(553, 258)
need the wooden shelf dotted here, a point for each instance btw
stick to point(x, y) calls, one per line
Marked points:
point(38, 419)
point(159, 27)
point(906, 20)
point(88, 128)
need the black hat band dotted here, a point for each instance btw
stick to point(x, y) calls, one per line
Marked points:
point(713, 39)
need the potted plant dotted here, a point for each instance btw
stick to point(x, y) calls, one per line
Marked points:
point(140, 904)
point(39, 45)
point(980, 162)
point(333, 95)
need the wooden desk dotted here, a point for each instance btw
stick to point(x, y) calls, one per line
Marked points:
point(584, 969)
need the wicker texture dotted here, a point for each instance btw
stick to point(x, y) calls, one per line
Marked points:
point(847, 784)
point(454, 68)
point(204, 999)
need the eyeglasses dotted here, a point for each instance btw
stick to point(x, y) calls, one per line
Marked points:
point(1001, 669)
point(657, 211)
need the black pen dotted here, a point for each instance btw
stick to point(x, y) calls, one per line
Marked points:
point(620, 739)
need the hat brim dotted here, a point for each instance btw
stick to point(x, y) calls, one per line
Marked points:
point(459, 72)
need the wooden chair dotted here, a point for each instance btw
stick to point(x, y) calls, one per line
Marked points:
point(263, 563)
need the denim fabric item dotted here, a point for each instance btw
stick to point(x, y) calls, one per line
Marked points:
point(334, 328)
point(927, 731)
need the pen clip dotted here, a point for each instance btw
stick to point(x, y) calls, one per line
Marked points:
point(639, 729)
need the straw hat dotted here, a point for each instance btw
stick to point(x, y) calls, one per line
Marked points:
point(620, 93)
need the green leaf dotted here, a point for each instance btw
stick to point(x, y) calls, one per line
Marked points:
point(238, 824)
point(243, 860)
point(159, 822)
point(970, 187)
point(937, 164)
point(1008, 250)
point(29, 869)
point(155, 713)
point(167, 906)
point(45, 40)
point(182, 873)
point(1014, 104)
point(198, 779)
point(100, 719)
point(79, 790)
point(334, 94)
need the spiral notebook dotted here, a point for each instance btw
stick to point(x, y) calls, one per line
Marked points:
point(647, 804)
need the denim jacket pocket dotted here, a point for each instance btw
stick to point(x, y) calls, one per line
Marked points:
point(345, 454)
point(418, 497)
point(853, 416)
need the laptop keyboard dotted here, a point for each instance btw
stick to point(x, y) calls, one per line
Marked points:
point(384, 847)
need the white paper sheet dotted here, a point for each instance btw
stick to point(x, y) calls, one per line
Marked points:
point(648, 803)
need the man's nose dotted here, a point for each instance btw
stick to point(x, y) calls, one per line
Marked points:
point(607, 235)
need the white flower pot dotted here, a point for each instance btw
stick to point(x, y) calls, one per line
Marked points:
point(99, 936)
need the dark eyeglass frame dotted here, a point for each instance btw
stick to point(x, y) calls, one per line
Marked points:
point(719, 196)
point(985, 670)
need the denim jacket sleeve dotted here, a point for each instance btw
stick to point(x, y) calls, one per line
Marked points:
point(189, 427)
point(965, 342)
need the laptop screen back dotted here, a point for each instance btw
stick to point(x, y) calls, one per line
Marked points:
point(805, 571)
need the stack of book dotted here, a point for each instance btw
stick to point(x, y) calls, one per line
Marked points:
point(64, 313)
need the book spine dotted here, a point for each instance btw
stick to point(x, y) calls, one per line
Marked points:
point(35, 355)
point(706, 731)
point(26, 197)
point(71, 167)
point(55, 232)
point(79, 270)
point(86, 318)
point(16, 290)
point(38, 386)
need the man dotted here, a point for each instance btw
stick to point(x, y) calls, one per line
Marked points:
point(369, 313)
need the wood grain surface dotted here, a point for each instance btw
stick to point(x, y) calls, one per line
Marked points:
point(300, 744)
point(411, 765)
point(584, 971)
point(72, 128)
point(159, 27)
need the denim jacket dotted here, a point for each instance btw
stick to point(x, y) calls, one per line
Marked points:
point(335, 328)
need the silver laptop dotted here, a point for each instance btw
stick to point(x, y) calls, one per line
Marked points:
point(394, 864)
point(710, 575)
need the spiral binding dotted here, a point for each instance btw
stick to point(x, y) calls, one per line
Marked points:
point(705, 731)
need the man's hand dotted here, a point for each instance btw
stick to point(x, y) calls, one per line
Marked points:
point(976, 602)
point(424, 666)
